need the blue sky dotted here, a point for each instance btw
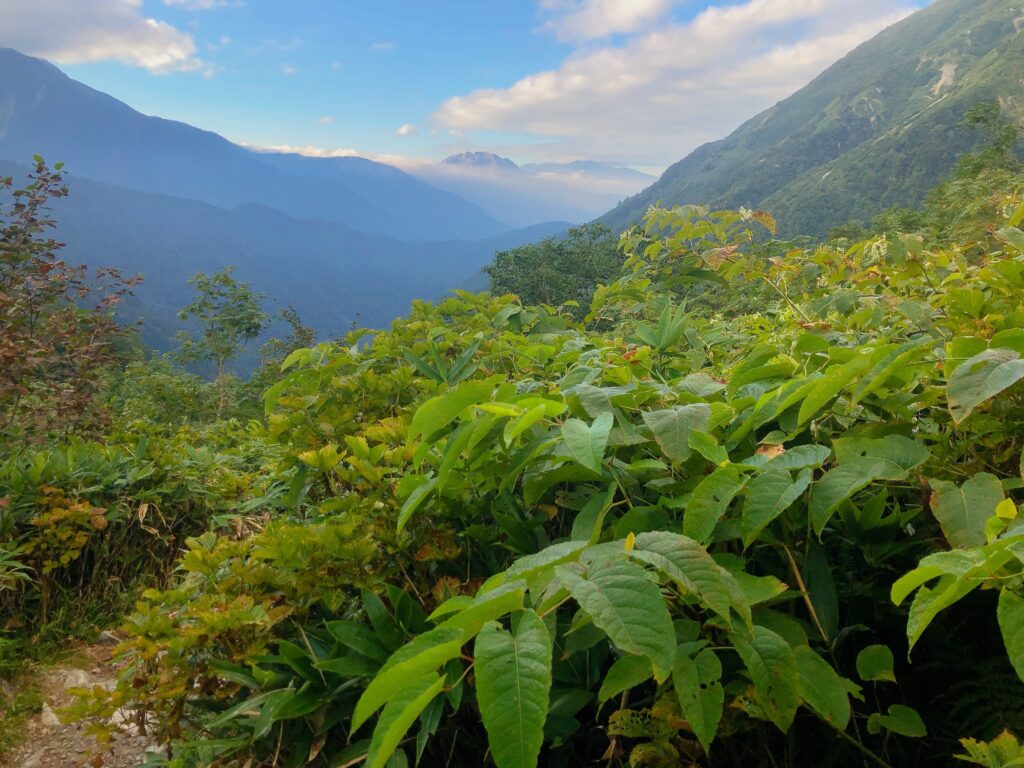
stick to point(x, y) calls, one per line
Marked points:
point(632, 81)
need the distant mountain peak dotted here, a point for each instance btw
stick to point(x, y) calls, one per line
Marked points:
point(481, 160)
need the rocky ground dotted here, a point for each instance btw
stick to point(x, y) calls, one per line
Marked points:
point(46, 742)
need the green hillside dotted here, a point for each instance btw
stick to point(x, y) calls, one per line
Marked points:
point(877, 129)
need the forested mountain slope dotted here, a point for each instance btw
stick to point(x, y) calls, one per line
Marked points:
point(42, 111)
point(331, 274)
point(877, 129)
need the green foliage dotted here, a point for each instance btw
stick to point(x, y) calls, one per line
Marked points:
point(558, 271)
point(57, 333)
point(880, 128)
point(230, 315)
point(675, 531)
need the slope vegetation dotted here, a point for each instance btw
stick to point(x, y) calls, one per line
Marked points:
point(879, 128)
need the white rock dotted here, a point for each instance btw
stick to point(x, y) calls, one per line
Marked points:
point(48, 718)
point(77, 678)
point(123, 716)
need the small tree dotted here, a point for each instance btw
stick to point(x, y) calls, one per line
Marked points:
point(57, 326)
point(558, 269)
point(230, 314)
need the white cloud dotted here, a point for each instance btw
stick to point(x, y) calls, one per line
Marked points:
point(289, 69)
point(203, 5)
point(325, 120)
point(223, 42)
point(406, 130)
point(79, 31)
point(588, 19)
point(384, 45)
point(309, 150)
point(653, 98)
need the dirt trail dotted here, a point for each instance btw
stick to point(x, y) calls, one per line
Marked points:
point(48, 743)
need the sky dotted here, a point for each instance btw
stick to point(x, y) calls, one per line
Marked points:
point(632, 82)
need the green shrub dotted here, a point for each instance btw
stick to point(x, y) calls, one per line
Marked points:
point(649, 536)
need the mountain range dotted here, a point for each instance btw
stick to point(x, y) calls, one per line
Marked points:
point(332, 274)
point(347, 238)
point(877, 129)
point(523, 194)
point(342, 239)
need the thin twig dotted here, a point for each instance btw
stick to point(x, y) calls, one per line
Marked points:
point(806, 595)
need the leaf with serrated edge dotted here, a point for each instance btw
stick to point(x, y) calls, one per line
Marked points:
point(701, 696)
point(513, 676)
point(709, 501)
point(399, 715)
point(822, 688)
point(694, 571)
point(627, 672)
point(628, 606)
point(671, 428)
point(981, 378)
point(424, 654)
point(962, 511)
point(1011, 624)
point(773, 670)
point(767, 496)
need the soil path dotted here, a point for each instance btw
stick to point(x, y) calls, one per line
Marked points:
point(48, 743)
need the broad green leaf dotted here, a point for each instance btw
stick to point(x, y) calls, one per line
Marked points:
point(767, 496)
point(772, 667)
point(587, 442)
point(415, 499)
point(515, 427)
point(708, 447)
point(834, 381)
point(627, 672)
point(486, 607)
point(862, 462)
point(709, 501)
point(358, 638)
point(672, 427)
point(839, 484)
point(589, 521)
point(693, 570)
point(822, 688)
point(430, 719)
point(620, 599)
point(399, 715)
point(1011, 624)
point(897, 360)
point(963, 511)
point(896, 453)
point(700, 693)
point(513, 676)
point(423, 655)
point(529, 566)
point(959, 572)
point(799, 457)
point(875, 664)
point(438, 412)
point(900, 719)
point(981, 378)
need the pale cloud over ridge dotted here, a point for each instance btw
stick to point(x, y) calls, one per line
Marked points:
point(663, 91)
point(588, 19)
point(203, 5)
point(80, 31)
